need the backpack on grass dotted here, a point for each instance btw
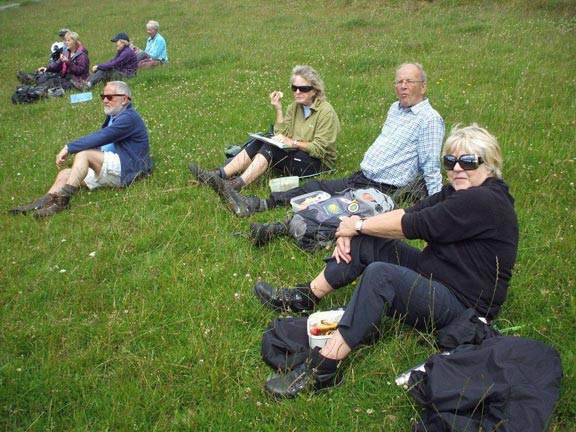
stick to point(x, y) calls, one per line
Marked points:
point(314, 227)
point(29, 94)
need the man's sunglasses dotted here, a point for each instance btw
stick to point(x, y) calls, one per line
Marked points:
point(467, 162)
point(303, 89)
point(109, 97)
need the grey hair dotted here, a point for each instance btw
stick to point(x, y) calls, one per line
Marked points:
point(153, 24)
point(310, 75)
point(122, 88)
point(423, 76)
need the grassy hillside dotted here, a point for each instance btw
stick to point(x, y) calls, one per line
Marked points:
point(134, 310)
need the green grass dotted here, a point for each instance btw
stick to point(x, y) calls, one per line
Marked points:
point(134, 310)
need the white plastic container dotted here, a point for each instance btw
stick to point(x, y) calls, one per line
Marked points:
point(332, 316)
point(302, 201)
point(282, 184)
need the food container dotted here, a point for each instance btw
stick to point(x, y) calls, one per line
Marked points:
point(302, 201)
point(315, 318)
point(282, 184)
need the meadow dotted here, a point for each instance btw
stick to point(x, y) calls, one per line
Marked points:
point(134, 310)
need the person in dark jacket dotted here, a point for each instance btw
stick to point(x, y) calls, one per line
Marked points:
point(113, 156)
point(123, 65)
point(70, 68)
point(471, 230)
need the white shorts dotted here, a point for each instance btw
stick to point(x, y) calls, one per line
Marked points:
point(109, 174)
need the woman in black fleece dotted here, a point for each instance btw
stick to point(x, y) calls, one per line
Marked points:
point(471, 230)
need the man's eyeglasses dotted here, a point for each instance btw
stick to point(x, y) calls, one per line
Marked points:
point(109, 97)
point(406, 81)
point(303, 89)
point(467, 162)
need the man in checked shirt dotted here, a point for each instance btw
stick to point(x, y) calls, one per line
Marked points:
point(404, 159)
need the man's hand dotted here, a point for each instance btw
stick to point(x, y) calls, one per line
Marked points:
point(62, 157)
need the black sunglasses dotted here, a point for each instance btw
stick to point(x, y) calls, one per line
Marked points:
point(109, 97)
point(303, 89)
point(467, 162)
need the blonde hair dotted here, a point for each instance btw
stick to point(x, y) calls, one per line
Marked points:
point(476, 140)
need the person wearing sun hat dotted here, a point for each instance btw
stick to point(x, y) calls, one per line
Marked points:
point(123, 65)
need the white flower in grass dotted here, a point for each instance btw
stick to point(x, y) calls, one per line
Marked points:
point(369, 411)
point(62, 270)
point(92, 254)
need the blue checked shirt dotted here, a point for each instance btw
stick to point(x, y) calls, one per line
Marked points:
point(408, 147)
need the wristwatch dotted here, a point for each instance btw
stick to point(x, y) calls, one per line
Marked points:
point(358, 226)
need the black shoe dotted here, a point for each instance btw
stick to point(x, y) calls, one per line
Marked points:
point(262, 233)
point(300, 299)
point(203, 175)
point(315, 375)
point(240, 205)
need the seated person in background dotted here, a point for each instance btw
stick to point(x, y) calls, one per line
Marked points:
point(155, 52)
point(471, 230)
point(72, 67)
point(406, 151)
point(58, 47)
point(123, 65)
point(126, 157)
point(310, 128)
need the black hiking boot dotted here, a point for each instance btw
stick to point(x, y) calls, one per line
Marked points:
point(26, 78)
point(262, 233)
point(300, 299)
point(240, 205)
point(203, 175)
point(317, 374)
point(34, 205)
point(60, 202)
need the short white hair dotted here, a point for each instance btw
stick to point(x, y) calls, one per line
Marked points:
point(153, 24)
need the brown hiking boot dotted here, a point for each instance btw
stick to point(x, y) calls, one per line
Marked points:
point(203, 175)
point(34, 205)
point(60, 202)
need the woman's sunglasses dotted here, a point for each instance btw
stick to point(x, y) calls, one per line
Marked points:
point(303, 89)
point(467, 162)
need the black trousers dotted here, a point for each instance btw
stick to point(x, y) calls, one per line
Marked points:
point(292, 163)
point(390, 286)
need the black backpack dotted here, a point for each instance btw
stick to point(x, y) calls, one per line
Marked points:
point(28, 94)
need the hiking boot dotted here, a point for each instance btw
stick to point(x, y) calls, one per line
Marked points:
point(300, 299)
point(262, 233)
point(237, 183)
point(60, 202)
point(240, 205)
point(26, 78)
point(34, 205)
point(203, 175)
point(317, 374)
point(80, 85)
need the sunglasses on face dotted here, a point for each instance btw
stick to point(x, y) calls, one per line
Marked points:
point(303, 89)
point(467, 162)
point(109, 97)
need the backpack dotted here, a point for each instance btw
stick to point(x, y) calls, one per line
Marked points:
point(314, 227)
point(28, 94)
